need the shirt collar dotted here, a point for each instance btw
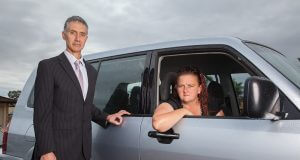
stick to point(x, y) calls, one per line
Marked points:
point(72, 58)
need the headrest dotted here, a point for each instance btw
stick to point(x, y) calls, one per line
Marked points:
point(165, 87)
point(215, 97)
point(215, 90)
point(135, 95)
point(260, 97)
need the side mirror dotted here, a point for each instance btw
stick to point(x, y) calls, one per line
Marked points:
point(261, 98)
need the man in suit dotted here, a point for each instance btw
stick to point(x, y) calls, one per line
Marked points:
point(64, 92)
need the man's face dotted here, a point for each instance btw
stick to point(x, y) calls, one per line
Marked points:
point(75, 36)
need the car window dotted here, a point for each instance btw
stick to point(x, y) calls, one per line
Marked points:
point(212, 77)
point(95, 65)
point(238, 81)
point(118, 84)
point(218, 68)
point(279, 61)
point(31, 99)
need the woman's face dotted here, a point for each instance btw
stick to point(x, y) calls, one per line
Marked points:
point(188, 88)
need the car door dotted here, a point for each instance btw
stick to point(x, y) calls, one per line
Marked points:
point(119, 86)
point(220, 138)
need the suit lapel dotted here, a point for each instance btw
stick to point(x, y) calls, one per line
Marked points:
point(88, 70)
point(68, 68)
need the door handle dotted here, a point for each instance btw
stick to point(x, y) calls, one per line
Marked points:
point(165, 138)
point(155, 134)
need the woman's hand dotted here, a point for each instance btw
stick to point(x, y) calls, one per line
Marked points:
point(187, 112)
point(165, 117)
point(220, 113)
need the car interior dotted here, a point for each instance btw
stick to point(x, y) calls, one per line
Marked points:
point(124, 98)
point(218, 68)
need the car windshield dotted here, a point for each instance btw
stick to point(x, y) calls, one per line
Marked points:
point(289, 69)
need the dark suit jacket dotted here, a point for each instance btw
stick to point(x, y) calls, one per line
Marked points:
point(62, 118)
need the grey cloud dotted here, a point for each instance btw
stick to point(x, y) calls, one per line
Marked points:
point(31, 30)
point(152, 22)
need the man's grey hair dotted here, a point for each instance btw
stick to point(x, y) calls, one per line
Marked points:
point(75, 19)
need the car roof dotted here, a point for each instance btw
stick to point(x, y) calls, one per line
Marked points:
point(231, 41)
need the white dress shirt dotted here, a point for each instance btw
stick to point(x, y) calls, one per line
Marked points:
point(82, 67)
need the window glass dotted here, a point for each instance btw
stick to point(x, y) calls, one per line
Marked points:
point(31, 99)
point(95, 65)
point(238, 81)
point(211, 77)
point(279, 61)
point(118, 84)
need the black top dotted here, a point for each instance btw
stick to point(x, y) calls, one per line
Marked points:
point(213, 108)
point(174, 102)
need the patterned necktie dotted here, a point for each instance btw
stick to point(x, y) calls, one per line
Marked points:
point(79, 74)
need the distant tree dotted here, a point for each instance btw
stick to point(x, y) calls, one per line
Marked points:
point(14, 94)
point(239, 88)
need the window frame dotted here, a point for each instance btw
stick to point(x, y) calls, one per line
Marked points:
point(144, 78)
point(228, 50)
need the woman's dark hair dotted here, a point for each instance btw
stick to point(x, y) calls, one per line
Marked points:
point(203, 96)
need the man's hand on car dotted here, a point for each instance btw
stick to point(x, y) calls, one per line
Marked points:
point(117, 118)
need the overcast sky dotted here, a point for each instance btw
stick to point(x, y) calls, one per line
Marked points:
point(30, 30)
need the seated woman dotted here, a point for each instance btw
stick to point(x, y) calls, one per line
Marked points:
point(190, 98)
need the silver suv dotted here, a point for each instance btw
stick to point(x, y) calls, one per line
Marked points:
point(261, 97)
